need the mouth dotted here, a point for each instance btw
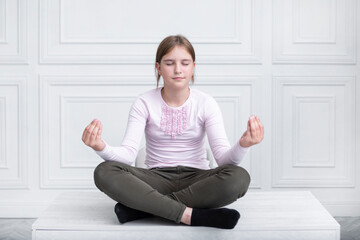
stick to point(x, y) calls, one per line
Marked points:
point(178, 78)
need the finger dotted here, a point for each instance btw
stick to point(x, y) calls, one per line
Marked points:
point(248, 129)
point(90, 130)
point(248, 126)
point(85, 133)
point(99, 126)
point(98, 137)
point(253, 127)
point(258, 120)
point(100, 130)
point(95, 132)
point(259, 130)
point(262, 130)
point(256, 123)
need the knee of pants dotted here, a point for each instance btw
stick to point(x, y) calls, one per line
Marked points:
point(239, 180)
point(101, 174)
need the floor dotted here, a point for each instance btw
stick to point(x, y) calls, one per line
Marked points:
point(20, 229)
point(267, 215)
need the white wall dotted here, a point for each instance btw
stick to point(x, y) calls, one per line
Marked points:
point(294, 63)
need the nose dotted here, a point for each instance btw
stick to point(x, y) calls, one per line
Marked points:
point(177, 68)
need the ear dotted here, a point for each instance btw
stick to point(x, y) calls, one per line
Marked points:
point(157, 66)
point(194, 67)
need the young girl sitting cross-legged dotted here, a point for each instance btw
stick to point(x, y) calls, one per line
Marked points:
point(177, 184)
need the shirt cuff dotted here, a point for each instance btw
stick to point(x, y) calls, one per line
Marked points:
point(240, 151)
point(103, 153)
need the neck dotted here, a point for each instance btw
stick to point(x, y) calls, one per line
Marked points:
point(175, 98)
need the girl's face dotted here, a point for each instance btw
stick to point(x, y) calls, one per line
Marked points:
point(176, 68)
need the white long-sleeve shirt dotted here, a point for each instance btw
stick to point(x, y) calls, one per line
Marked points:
point(175, 135)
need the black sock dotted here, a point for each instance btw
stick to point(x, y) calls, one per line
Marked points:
point(219, 218)
point(126, 214)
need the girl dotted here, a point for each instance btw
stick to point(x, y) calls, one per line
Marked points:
point(178, 184)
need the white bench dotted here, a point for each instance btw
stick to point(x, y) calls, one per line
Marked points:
point(264, 215)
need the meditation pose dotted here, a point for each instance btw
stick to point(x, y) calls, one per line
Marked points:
point(178, 183)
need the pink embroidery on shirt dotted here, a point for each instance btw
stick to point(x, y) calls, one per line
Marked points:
point(173, 121)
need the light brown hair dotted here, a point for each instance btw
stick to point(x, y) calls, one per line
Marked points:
point(167, 45)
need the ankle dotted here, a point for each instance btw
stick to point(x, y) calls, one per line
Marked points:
point(186, 217)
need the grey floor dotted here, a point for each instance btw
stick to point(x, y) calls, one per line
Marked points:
point(20, 229)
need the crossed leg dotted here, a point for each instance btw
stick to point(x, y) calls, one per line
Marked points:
point(172, 193)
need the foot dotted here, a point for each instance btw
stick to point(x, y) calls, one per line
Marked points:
point(219, 218)
point(126, 214)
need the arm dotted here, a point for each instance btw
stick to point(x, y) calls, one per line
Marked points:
point(223, 152)
point(127, 151)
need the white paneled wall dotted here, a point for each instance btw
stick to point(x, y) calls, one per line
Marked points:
point(294, 63)
point(13, 163)
point(321, 31)
point(314, 129)
point(126, 32)
point(13, 31)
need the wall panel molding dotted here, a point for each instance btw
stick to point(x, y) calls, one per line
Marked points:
point(224, 32)
point(321, 128)
point(3, 37)
point(68, 15)
point(68, 104)
point(326, 157)
point(301, 23)
point(305, 31)
point(66, 158)
point(13, 40)
point(13, 139)
point(3, 159)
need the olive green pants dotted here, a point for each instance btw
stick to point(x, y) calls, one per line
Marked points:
point(166, 192)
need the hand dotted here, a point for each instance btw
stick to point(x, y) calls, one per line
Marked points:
point(92, 135)
point(254, 133)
